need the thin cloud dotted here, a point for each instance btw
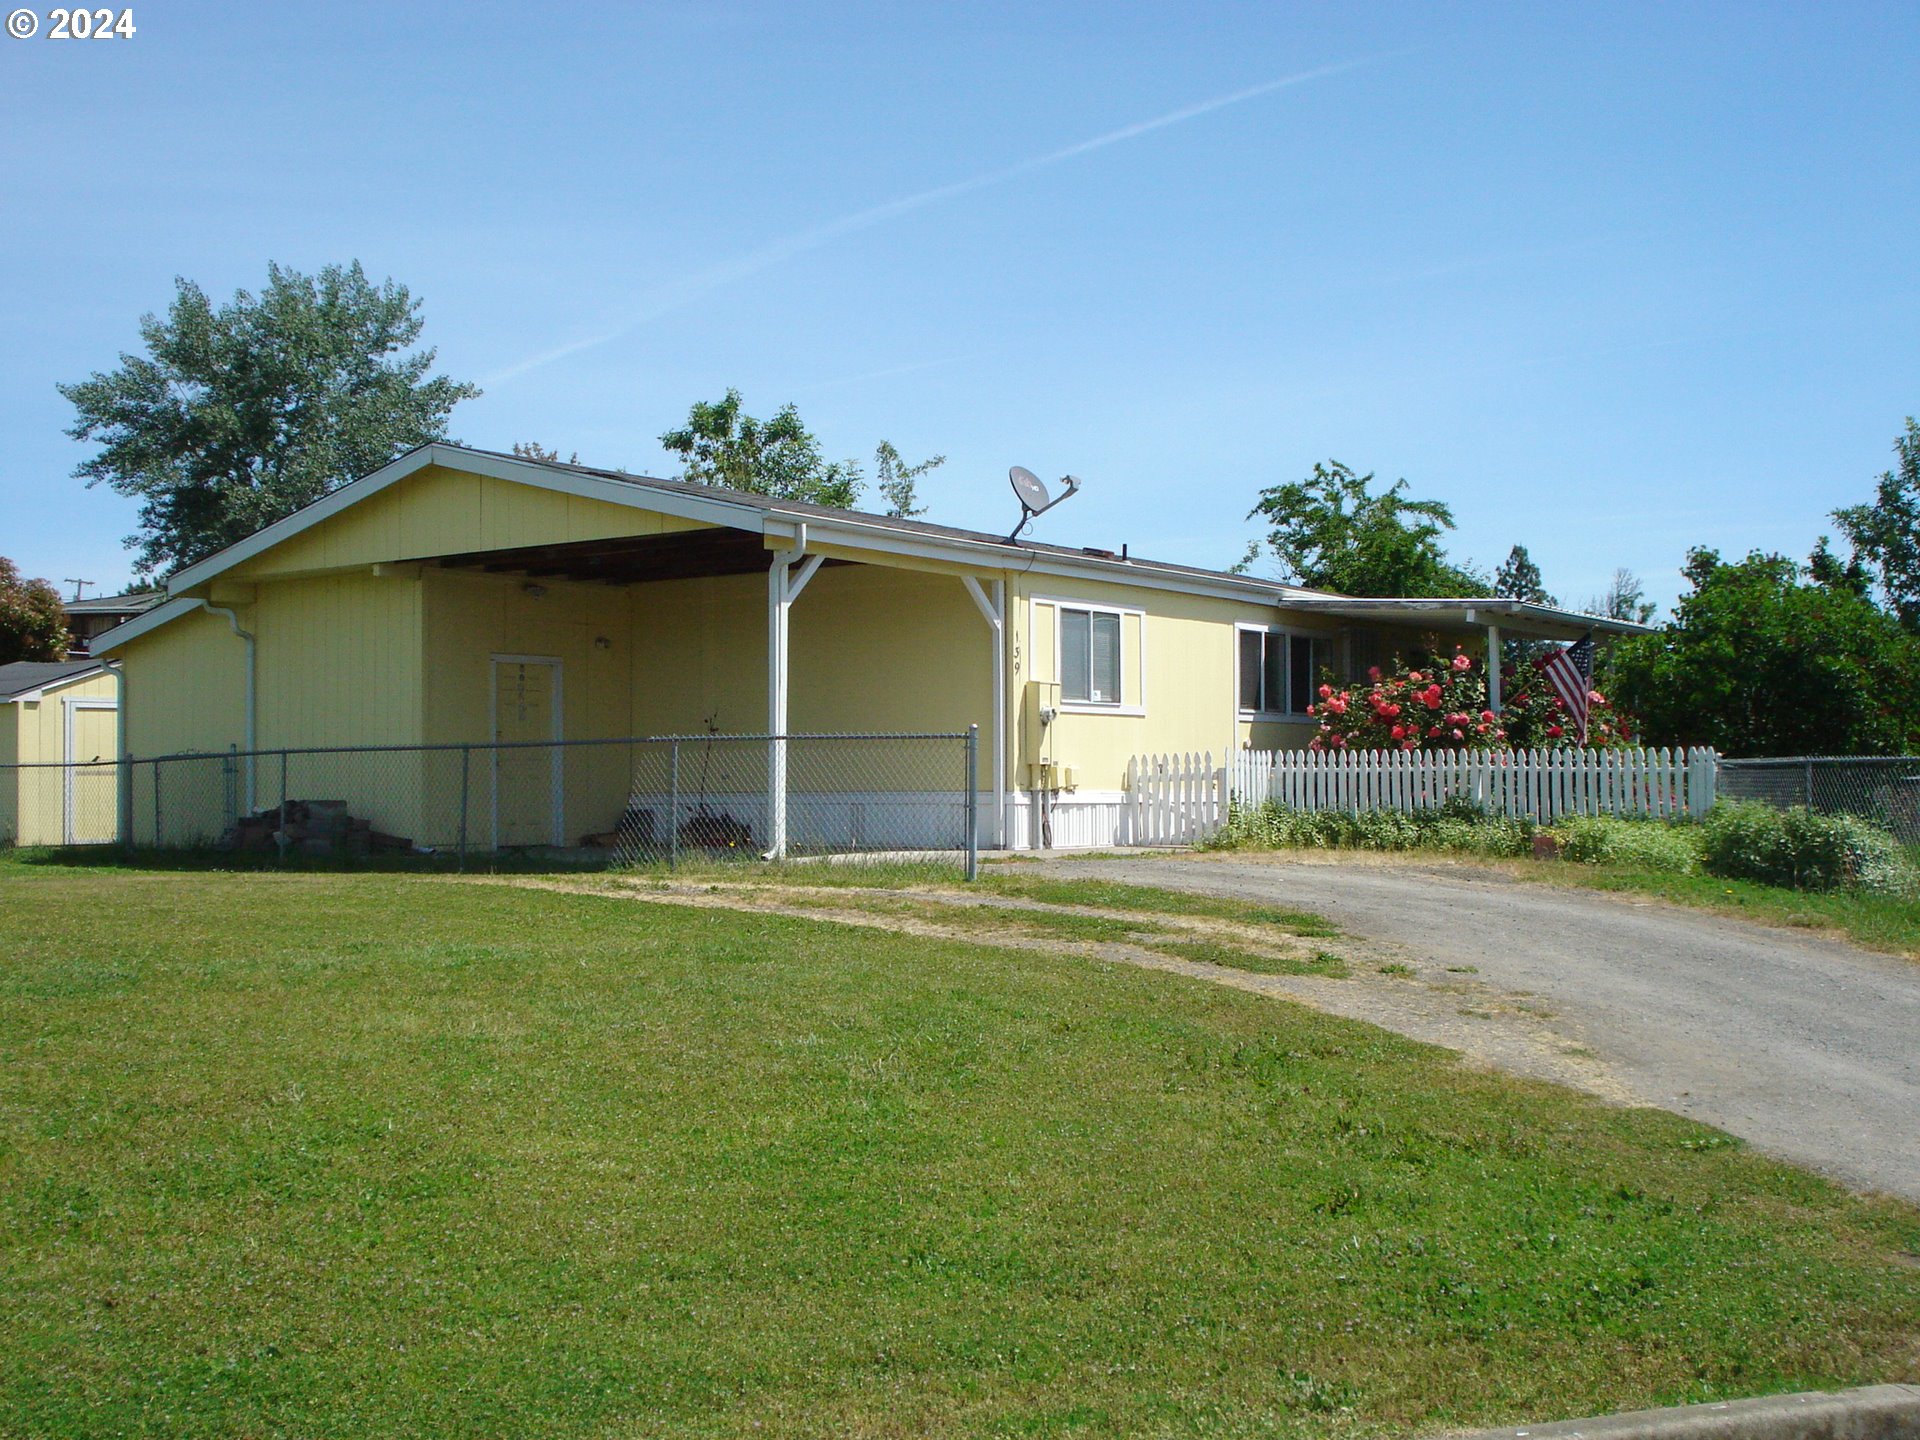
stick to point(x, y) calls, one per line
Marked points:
point(691, 288)
point(887, 374)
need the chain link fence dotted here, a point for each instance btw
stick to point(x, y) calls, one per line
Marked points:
point(664, 799)
point(1885, 790)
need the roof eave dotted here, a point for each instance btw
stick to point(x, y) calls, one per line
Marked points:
point(1519, 615)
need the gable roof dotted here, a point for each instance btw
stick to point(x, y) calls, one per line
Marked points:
point(739, 509)
point(27, 679)
point(853, 529)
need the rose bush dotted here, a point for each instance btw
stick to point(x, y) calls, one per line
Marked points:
point(1442, 705)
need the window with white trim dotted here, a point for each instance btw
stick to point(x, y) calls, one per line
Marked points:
point(1089, 656)
point(1279, 671)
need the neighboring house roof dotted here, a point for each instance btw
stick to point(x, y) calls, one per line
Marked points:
point(849, 528)
point(28, 679)
point(133, 602)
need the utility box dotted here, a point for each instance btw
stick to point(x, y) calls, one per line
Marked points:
point(1050, 775)
point(1037, 718)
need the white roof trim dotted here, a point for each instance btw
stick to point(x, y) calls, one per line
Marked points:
point(1467, 610)
point(65, 680)
point(140, 624)
point(863, 534)
point(860, 532)
point(525, 472)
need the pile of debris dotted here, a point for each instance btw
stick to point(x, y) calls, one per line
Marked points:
point(312, 827)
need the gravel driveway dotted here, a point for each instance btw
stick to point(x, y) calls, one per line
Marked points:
point(1804, 1046)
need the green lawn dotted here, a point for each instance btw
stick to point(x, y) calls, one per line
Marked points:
point(378, 1155)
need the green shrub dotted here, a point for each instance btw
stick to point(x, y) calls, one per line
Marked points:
point(1652, 844)
point(1799, 848)
point(1456, 825)
point(1803, 849)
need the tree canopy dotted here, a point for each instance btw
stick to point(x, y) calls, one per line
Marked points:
point(723, 445)
point(1885, 534)
point(1333, 531)
point(33, 622)
point(1760, 660)
point(241, 413)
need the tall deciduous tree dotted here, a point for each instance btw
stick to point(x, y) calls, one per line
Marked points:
point(1886, 533)
point(1518, 578)
point(1625, 599)
point(1333, 531)
point(898, 482)
point(723, 445)
point(241, 413)
point(1757, 661)
point(33, 623)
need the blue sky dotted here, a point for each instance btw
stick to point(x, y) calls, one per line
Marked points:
point(1611, 280)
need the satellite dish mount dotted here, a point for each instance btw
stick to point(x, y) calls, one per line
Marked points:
point(1033, 496)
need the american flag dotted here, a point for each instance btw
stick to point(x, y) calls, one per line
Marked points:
point(1570, 670)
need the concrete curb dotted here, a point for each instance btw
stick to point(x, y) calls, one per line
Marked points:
point(1876, 1412)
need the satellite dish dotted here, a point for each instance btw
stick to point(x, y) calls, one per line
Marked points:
point(1033, 496)
point(1026, 484)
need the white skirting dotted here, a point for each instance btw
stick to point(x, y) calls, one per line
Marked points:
point(1077, 819)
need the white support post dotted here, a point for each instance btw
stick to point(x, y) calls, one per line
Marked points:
point(784, 584)
point(1493, 668)
point(779, 604)
point(995, 613)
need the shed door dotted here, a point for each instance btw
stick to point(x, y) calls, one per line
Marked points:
point(526, 781)
point(93, 799)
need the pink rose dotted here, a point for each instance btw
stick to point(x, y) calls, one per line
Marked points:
point(1461, 662)
point(1487, 715)
point(1326, 692)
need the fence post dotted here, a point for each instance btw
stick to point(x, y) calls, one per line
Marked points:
point(156, 805)
point(973, 802)
point(673, 810)
point(466, 767)
point(126, 802)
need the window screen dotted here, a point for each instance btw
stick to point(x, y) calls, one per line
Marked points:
point(1090, 657)
point(1076, 651)
point(1106, 659)
point(1252, 650)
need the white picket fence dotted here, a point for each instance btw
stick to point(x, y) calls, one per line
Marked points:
point(1182, 798)
point(1174, 799)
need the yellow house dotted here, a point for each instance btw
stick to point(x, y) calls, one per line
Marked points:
point(59, 741)
point(460, 596)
